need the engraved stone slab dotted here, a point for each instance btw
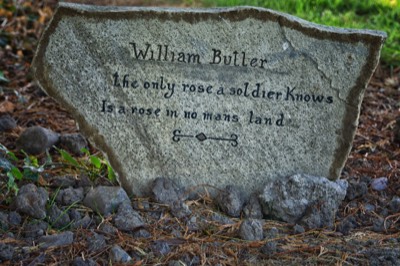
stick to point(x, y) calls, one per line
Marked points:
point(212, 96)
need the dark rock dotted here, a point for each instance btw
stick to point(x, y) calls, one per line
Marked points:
point(96, 242)
point(57, 218)
point(74, 215)
point(269, 248)
point(142, 233)
point(104, 199)
point(166, 191)
point(298, 229)
point(160, 248)
point(36, 140)
point(252, 209)
point(179, 209)
point(84, 181)
point(81, 262)
point(118, 255)
point(272, 233)
point(222, 219)
point(292, 198)
point(384, 212)
point(35, 229)
point(73, 143)
point(318, 216)
point(31, 200)
point(356, 190)
point(14, 218)
point(85, 222)
point(62, 239)
point(127, 219)
point(383, 256)
point(70, 196)
point(394, 204)
point(346, 225)
point(63, 181)
point(108, 229)
point(380, 183)
point(366, 179)
point(6, 252)
point(7, 123)
point(368, 207)
point(156, 214)
point(3, 221)
point(193, 224)
point(378, 225)
point(251, 229)
point(371, 242)
point(230, 201)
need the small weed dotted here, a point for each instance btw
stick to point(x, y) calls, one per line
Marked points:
point(12, 172)
point(93, 165)
point(9, 162)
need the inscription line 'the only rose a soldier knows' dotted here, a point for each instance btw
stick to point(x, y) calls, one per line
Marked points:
point(162, 52)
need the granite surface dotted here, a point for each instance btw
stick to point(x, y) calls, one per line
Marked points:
point(237, 96)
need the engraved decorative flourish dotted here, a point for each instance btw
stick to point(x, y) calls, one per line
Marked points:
point(177, 136)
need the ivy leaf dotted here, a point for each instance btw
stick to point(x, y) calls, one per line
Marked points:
point(9, 153)
point(85, 151)
point(2, 77)
point(95, 161)
point(110, 172)
point(67, 157)
point(11, 183)
point(15, 172)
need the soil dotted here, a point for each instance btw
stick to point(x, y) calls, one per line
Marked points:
point(367, 226)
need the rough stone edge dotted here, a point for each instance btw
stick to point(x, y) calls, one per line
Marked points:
point(374, 39)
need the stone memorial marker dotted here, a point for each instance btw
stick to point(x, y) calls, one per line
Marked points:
point(237, 96)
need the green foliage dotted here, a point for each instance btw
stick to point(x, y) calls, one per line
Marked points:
point(12, 172)
point(2, 77)
point(31, 169)
point(381, 15)
point(92, 164)
point(68, 158)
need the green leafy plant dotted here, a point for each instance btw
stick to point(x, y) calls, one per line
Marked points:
point(12, 172)
point(101, 165)
point(2, 77)
point(30, 169)
point(92, 164)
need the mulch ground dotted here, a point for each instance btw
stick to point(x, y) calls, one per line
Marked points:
point(367, 226)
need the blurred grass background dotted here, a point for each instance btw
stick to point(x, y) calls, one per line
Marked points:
point(381, 15)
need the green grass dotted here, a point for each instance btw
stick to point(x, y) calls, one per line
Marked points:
point(381, 15)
